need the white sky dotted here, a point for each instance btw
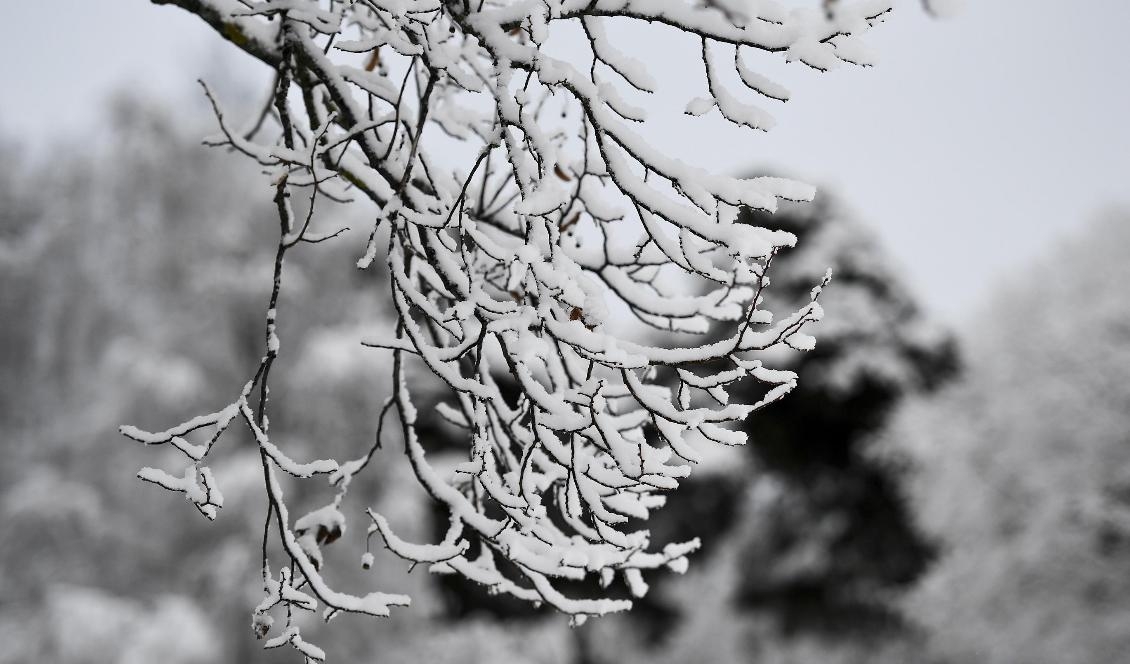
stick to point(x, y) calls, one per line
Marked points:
point(974, 145)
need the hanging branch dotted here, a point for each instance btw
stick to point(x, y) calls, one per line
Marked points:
point(518, 264)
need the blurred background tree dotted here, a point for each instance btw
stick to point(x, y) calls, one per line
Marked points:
point(834, 536)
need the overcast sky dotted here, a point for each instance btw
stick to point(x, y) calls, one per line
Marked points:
point(977, 143)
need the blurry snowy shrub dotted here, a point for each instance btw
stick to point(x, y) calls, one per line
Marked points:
point(88, 626)
point(517, 260)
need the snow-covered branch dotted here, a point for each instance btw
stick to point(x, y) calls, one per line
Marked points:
point(519, 262)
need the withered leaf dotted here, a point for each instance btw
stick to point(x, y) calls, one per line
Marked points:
point(374, 59)
point(571, 222)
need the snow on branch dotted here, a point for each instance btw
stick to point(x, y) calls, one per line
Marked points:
point(517, 263)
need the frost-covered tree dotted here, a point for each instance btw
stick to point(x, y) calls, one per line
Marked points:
point(516, 260)
point(123, 321)
point(1025, 466)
